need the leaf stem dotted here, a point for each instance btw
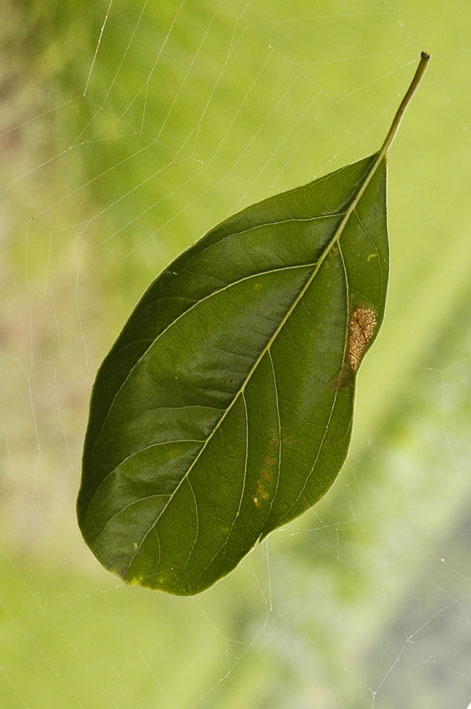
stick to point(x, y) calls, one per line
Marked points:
point(380, 156)
point(417, 78)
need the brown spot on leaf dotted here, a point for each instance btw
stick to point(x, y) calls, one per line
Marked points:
point(362, 327)
point(261, 493)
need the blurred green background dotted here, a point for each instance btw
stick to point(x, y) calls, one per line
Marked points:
point(127, 130)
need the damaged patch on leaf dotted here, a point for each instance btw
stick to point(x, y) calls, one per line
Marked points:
point(362, 328)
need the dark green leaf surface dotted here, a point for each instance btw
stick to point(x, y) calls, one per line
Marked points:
point(225, 407)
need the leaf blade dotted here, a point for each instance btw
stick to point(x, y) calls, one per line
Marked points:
point(296, 225)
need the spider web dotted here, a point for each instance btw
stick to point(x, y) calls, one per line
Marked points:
point(129, 130)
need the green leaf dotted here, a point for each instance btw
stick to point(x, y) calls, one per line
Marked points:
point(224, 409)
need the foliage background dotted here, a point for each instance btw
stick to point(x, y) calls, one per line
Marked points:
point(105, 176)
